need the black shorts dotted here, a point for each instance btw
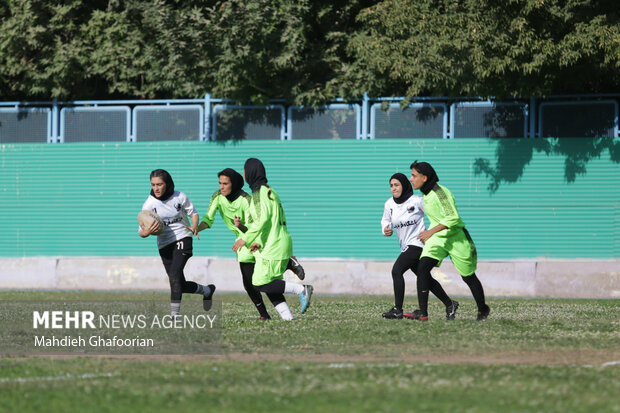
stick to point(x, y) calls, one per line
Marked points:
point(182, 247)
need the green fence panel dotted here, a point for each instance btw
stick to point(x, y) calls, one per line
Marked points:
point(520, 198)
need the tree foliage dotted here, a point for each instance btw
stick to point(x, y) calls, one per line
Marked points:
point(305, 51)
point(489, 48)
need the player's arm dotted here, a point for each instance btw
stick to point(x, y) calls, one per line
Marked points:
point(191, 212)
point(449, 218)
point(386, 221)
point(425, 235)
point(195, 221)
point(209, 216)
point(194, 228)
point(151, 229)
point(238, 224)
point(263, 215)
point(245, 217)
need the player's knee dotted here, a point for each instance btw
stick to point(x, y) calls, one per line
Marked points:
point(250, 289)
point(397, 272)
point(469, 279)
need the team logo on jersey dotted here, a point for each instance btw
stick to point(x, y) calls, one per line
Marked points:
point(405, 224)
point(411, 209)
point(178, 207)
point(172, 220)
point(155, 210)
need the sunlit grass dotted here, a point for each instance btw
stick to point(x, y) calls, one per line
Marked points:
point(342, 356)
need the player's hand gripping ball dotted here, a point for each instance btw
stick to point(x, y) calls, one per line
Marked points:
point(146, 218)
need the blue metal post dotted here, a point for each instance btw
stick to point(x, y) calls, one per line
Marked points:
point(532, 115)
point(207, 122)
point(365, 100)
point(55, 119)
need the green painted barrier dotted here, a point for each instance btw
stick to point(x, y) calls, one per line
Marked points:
point(520, 198)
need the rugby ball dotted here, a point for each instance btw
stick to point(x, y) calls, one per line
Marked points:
point(146, 217)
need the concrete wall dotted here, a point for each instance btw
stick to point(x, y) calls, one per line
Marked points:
point(533, 278)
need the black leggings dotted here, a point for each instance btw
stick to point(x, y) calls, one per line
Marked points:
point(247, 269)
point(424, 281)
point(274, 291)
point(408, 260)
point(175, 256)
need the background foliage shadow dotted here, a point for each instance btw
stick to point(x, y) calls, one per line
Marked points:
point(513, 155)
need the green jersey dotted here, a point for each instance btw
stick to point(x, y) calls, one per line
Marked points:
point(268, 226)
point(440, 208)
point(240, 207)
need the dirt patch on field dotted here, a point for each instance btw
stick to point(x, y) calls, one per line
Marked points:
point(555, 357)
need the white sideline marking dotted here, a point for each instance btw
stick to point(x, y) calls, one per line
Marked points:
point(610, 363)
point(53, 378)
point(340, 365)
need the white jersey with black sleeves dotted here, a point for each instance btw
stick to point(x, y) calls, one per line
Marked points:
point(407, 220)
point(174, 212)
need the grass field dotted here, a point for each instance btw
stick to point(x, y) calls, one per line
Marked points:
point(531, 355)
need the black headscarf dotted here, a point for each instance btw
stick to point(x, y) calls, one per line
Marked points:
point(236, 181)
point(163, 174)
point(255, 174)
point(407, 188)
point(426, 169)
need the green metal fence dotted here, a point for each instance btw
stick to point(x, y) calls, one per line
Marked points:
point(520, 198)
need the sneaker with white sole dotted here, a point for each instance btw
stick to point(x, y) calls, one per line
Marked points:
point(393, 314)
point(295, 266)
point(304, 298)
point(451, 310)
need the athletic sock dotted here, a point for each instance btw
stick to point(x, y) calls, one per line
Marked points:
point(202, 289)
point(293, 288)
point(175, 308)
point(284, 311)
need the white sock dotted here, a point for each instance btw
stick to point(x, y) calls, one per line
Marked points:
point(293, 288)
point(202, 289)
point(175, 308)
point(284, 311)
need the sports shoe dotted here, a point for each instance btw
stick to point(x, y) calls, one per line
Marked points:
point(207, 300)
point(482, 315)
point(416, 315)
point(304, 298)
point(263, 318)
point(295, 266)
point(451, 310)
point(394, 313)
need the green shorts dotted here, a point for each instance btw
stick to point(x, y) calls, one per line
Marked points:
point(244, 255)
point(266, 271)
point(459, 246)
